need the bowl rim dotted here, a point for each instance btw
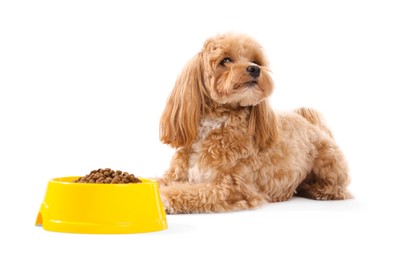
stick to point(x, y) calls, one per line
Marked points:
point(67, 180)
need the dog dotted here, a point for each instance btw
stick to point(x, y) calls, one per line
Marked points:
point(233, 151)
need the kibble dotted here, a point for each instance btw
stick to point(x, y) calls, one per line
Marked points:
point(108, 176)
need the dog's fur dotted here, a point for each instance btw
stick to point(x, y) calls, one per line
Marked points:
point(233, 152)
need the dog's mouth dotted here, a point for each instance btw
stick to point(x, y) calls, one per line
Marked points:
point(248, 84)
point(251, 83)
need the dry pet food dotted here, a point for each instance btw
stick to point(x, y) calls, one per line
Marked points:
point(108, 176)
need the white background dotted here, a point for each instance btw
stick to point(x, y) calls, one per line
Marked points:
point(83, 85)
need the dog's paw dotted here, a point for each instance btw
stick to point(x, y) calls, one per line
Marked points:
point(167, 204)
point(161, 182)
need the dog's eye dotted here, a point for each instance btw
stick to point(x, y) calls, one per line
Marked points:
point(226, 60)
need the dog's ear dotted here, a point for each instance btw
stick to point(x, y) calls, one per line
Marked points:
point(180, 119)
point(262, 124)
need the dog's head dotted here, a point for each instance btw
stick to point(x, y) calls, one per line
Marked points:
point(230, 70)
point(235, 70)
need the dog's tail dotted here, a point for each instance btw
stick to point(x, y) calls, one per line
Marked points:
point(314, 117)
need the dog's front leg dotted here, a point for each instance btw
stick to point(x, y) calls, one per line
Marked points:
point(178, 170)
point(208, 197)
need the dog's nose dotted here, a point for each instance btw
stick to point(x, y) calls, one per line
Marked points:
point(253, 71)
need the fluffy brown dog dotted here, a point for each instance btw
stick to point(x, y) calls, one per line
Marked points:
point(233, 151)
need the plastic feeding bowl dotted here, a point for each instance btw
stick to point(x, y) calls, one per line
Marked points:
point(102, 208)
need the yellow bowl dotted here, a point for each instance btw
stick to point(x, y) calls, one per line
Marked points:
point(102, 208)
